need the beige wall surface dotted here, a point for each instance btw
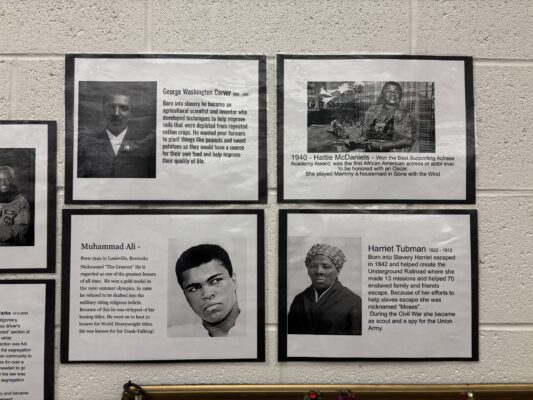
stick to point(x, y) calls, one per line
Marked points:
point(35, 34)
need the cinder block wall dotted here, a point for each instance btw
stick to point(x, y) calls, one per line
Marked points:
point(35, 34)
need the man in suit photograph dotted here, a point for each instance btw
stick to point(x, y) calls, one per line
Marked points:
point(122, 149)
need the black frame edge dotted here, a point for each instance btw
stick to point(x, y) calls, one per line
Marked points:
point(261, 326)
point(49, 330)
point(65, 280)
point(282, 279)
point(470, 168)
point(262, 134)
point(69, 127)
point(282, 286)
point(51, 197)
point(470, 132)
point(65, 285)
point(262, 188)
point(280, 66)
point(474, 276)
point(49, 348)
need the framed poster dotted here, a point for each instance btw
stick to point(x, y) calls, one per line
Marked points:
point(27, 196)
point(162, 285)
point(378, 285)
point(379, 128)
point(163, 128)
point(27, 326)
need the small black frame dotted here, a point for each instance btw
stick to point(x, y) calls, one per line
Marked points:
point(282, 279)
point(51, 196)
point(65, 276)
point(49, 329)
point(470, 190)
point(70, 61)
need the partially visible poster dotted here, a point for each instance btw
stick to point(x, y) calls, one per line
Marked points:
point(27, 196)
point(375, 128)
point(378, 285)
point(27, 332)
point(165, 128)
point(162, 285)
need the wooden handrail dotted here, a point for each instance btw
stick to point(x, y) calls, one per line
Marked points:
point(330, 392)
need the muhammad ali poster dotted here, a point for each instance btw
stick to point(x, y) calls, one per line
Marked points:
point(375, 128)
point(378, 285)
point(27, 196)
point(163, 285)
point(165, 129)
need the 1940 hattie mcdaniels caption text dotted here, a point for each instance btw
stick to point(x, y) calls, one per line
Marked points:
point(361, 165)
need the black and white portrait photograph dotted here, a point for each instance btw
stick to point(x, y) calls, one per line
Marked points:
point(17, 197)
point(165, 129)
point(178, 285)
point(377, 285)
point(204, 298)
point(330, 272)
point(375, 128)
point(27, 196)
point(371, 117)
point(117, 129)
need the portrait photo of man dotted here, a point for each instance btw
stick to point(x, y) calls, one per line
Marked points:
point(17, 180)
point(326, 307)
point(208, 282)
point(116, 130)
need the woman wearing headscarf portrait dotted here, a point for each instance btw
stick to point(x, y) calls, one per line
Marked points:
point(326, 307)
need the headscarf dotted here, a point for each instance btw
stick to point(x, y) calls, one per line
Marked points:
point(332, 252)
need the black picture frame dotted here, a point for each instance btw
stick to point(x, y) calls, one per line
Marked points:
point(282, 283)
point(65, 284)
point(470, 190)
point(69, 127)
point(51, 197)
point(49, 330)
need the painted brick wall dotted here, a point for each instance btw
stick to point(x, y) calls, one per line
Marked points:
point(35, 34)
